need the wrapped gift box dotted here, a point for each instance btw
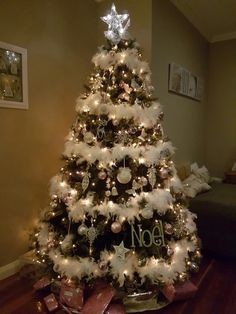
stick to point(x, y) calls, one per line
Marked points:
point(115, 308)
point(99, 300)
point(42, 283)
point(178, 292)
point(51, 302)
point(72, 295)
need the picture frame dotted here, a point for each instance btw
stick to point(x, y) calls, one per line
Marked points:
point(13, 77)
point(185, 83)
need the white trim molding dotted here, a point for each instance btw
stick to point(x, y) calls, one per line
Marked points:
point(223, 37)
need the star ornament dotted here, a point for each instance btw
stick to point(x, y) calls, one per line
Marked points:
point(117, 25)
point(121, 251)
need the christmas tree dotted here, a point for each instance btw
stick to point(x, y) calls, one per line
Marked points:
point(117, 207)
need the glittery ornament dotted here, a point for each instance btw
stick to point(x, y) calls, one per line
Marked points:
point(85, 181)
point(88, 137)
point(102, 175)
point(116, 227)
point(194, 267)
point(120, 251)
point(164, 173)
point(124, 175)
point(152, 176)
point(168, 228)
point(82, 229)
point(126, 87)
point(101, 129)
point(117, 25)
point(114, 191)
point(144, 181)
point(108, 193)
point(92, 233)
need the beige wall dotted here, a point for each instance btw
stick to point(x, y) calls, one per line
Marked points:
point(140, 12)
point(174, 39)
point(221, 110)
point(61, 38)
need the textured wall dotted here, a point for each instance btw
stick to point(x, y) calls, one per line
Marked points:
point(61, 37)
point(174, 39)
point(221, 110)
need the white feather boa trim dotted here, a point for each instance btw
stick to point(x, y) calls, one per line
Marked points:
point(150, 153)
point(95, 104)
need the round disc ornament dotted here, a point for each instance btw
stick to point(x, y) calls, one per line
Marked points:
point(124, 175)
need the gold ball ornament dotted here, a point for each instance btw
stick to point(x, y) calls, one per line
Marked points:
point(124, 175)
point(116, 227)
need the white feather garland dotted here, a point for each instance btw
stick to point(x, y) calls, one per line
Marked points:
point(96, 104)
point(158, 200)
point(150, 153)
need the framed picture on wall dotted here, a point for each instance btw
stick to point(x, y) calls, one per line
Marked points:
point(183, 82)
point(13, 77)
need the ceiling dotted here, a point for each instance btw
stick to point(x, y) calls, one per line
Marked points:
point(215, 19)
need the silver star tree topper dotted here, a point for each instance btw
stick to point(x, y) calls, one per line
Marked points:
point(117, 25)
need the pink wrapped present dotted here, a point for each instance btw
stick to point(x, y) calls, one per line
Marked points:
point(99, 300)
point(51, 302)
point(71, 295)
point(42, 283)
point(115, 308)
point(181, 291)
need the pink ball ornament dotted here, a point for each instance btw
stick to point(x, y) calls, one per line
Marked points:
point(116, 227)
point(102, 175)
point(164, 173)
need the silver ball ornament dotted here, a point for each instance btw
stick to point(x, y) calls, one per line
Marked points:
point(88, 137)
point(124, 175)
point(82, 229)
point(116, 227)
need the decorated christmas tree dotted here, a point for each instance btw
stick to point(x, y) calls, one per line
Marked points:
point(117, 209)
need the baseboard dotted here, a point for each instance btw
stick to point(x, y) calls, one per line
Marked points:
point(12, 268)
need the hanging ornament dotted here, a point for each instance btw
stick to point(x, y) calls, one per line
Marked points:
point(92, 233)
point(108, 193)
point(116, 227)
point(152, 176)
point(164, 173)
point(114, 191)
point(82, 229)
point(124, 96)
point(144, 181)
point(120, 251)
point(122, 137)
point(88, 137)
point(126, 87)
point(102, 175)
point(85, 181)
point(168, 228)
point(101, 129)
point(124, 175)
